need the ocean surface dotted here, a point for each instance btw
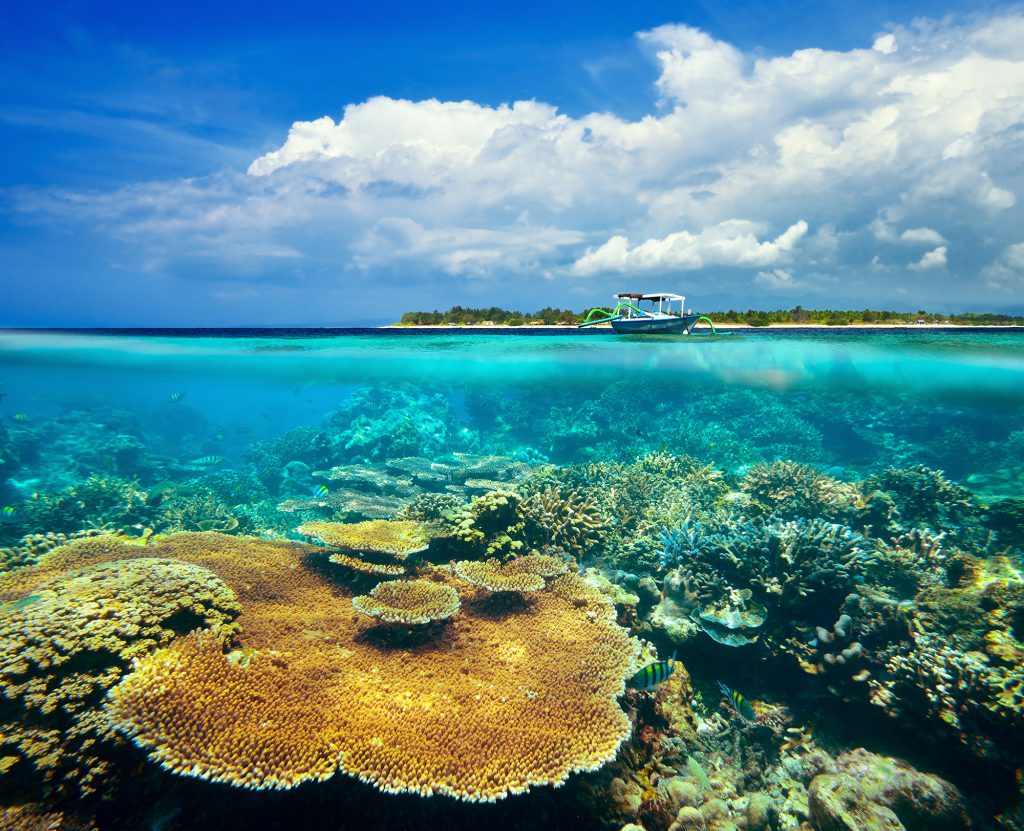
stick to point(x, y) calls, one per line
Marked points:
point(829, 522)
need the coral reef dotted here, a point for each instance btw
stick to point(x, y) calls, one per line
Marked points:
point(536, 695)
point(97, 502)
point(408, 602)
point(398, 539)
point(522, 574)
point(749, 577)
point(72, 638)
point(789, 490)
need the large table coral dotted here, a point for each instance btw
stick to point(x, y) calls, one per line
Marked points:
point(501, 701)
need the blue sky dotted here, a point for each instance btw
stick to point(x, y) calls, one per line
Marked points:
point(327, 163)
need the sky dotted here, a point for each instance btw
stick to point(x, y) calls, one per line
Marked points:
point(326, 163)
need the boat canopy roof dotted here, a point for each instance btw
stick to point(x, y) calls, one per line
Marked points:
point(660, 295)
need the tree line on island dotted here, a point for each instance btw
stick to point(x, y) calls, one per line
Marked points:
point(494, 316)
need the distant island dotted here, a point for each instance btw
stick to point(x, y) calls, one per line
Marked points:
point(797, 316)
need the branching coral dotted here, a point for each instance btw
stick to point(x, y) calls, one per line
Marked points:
point(570, 523)
point(788, 490)
point(925, 498)
point(98, 501)
point(195, 512)
point(408, 602)
point(491, 525)
point(757, 571)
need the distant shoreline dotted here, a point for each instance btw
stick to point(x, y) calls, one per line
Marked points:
point(607, 326)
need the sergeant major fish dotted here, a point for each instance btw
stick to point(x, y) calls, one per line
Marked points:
point(741, 704)
point(653, 674)
point(208, 461)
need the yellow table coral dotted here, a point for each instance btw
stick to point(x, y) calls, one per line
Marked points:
point(493, 706)
point(378, 536)
point(523, 574)
point(409, 602)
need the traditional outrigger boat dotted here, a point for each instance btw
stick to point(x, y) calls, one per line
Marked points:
point(629, 317)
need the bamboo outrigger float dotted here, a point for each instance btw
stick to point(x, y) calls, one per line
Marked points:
point(629, 317)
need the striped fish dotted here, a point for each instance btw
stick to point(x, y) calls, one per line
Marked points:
point(653, 674)
point(320, 490)
point(175, 397)
point(741, 704)
point(21, 418)
point(208, 461)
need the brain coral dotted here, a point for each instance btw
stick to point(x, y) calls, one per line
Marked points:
point(63, 645)
point(396, 538)
point(497, 703)
point(523, 574)
point(410, 602)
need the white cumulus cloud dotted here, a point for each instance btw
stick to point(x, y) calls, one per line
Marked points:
point(936, 258)
point(731, 243)
point(873, 147)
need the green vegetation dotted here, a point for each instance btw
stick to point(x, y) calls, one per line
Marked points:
point(461, 316)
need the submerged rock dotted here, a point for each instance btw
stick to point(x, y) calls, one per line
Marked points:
point(838, 803)
point(922, 801)
point(688, 819)
point(760, 812)
point(870, 792)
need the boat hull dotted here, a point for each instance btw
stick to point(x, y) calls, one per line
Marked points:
point(667, 325)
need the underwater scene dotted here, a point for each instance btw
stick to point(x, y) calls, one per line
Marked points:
point(417, 579)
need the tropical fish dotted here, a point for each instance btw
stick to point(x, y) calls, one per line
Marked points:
point(7, 514)
point(653, 674)
point(320, 490)
point(20, 417)
point(698, 774)
point(741, 704)
point(175, 397)
point(218, 434)
point(208, 461)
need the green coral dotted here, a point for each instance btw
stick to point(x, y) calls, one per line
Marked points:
point(97, 502)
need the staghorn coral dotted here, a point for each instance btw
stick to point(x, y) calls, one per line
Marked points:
point(789, 490)
point(925, 498)
point(201, 511)
point(408, 602)
point(523, 574)
point(63, 645)
point(96, 502)
point(398, 539)
point(533, 689)
point(571, 523)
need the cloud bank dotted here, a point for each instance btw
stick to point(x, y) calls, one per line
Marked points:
point(837, 173)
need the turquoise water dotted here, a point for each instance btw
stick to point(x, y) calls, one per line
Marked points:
point(141, 434)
